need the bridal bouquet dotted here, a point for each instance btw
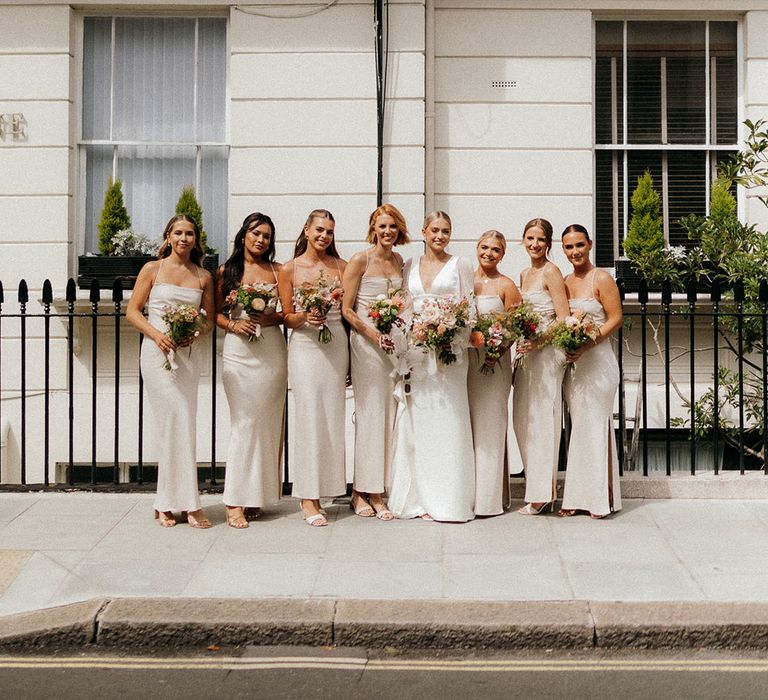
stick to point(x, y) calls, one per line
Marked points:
point(436, 327)
point(183, 322)
point(385, 310)
point(573, 332)
point(320, 298)
point(260, 297)
point(494, 333)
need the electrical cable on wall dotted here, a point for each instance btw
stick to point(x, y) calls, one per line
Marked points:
point(248, 10)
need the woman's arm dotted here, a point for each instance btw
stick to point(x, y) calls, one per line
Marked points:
point(293, 318)
point(134, 313)
point(222, 320)
point(353, 274)
point(608, 295)
point(510, 294)
point(555, 285)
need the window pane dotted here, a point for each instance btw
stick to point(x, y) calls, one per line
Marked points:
point(213, 197)
point(154, 79)
point(687, 190)
point(98, 172)
point(671, 52)
point(609, 81)
point(722, 52)
point(153, 178)
point(609, 205)
point(212, 80)
point(97, 56)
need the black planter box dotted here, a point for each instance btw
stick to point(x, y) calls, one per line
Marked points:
point(631, 279)
point(105, 269)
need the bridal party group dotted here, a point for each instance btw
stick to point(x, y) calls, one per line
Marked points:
point(432, 346)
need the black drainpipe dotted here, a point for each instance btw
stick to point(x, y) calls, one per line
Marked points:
point(381, 87)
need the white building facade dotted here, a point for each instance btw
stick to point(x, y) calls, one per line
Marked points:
point(497, 111)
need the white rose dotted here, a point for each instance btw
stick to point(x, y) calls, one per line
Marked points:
point(258, 304)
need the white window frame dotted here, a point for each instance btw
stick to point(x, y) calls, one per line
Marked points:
point(624, 147)
point(80, 159)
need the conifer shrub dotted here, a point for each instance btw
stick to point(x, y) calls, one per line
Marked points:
point(189, 206)
point(114, 217)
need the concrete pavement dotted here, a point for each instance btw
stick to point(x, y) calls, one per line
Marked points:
point(660, 572)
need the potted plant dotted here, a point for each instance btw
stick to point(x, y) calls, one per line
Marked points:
point(122, 253)
point(189, 206)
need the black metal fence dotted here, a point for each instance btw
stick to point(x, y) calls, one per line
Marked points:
point(695, 365)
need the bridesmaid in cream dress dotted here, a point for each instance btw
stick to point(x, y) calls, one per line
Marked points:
point(368, 275)
point(592, 474)
point(255, 375)
point(489, 393)
point(433, 474)
point(317, 372)
point(537, 394)
point(176, 278)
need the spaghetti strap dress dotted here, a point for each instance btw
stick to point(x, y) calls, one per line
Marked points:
point(374, 387)
point(172, 403)
point(317, 375)
point(488, 409)
point(433, 469)
point(537, 407)
point(592, 473)
point(255, 380)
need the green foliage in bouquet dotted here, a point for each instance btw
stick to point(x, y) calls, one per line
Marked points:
point(114, 217)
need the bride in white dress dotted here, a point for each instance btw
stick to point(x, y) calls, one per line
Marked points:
point(592, 474)
point(433, 462)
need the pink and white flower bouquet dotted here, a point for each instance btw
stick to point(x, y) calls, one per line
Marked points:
point(255, 297)
point(437, 326)
point(386, 310)
point(183, 322)
point(319, 297)
point(493, 333)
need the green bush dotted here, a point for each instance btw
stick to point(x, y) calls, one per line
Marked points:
point(645, 235)
point(114, 217)
point(189, 206)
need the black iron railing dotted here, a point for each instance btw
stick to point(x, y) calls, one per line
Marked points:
point(695, 365)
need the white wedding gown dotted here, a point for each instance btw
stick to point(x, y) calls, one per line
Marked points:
point(432, 469)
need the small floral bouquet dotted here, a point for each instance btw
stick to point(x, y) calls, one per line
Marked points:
point(573, 332)
point(437, 325)
point(183, 322)
point(526, 325)
point(320, 298)
point(259, 297)
point(494, 333)
point(385, 310)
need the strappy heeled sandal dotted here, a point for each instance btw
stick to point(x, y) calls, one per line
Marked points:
point(236, 517)
point(315, 520)
point(362, 507)
point(530, 509)
point(381, 510)
point(200, 522)
point(566, 512)
point(166, 518)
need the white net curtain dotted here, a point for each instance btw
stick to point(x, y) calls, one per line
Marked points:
point(154, 115)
